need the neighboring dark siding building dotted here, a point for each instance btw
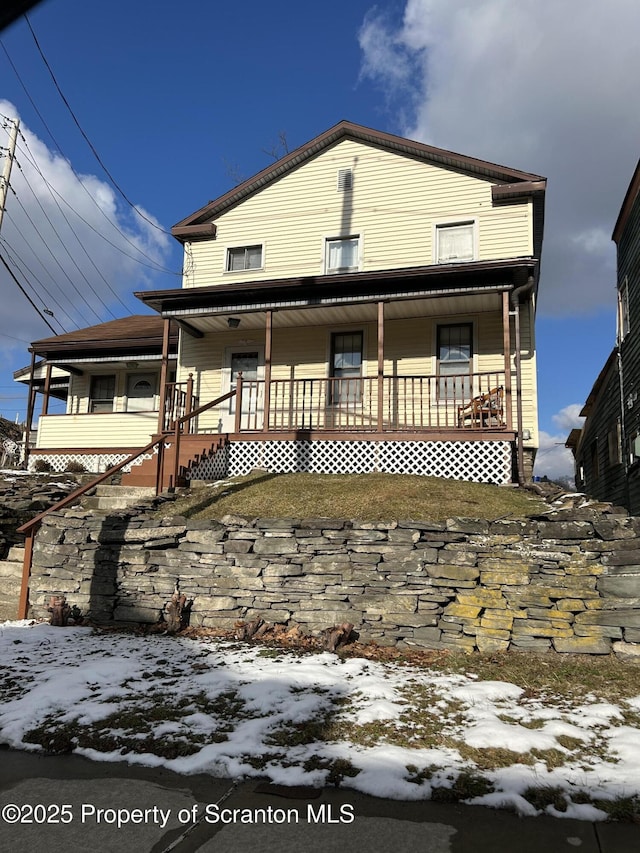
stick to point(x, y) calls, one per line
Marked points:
point(607, 448)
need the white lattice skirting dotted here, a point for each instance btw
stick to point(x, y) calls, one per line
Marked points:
point(93, 463)
point(215, 467)
point(479, 461)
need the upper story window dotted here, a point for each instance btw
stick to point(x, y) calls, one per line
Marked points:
point(455, 242)
point(103, 391)
point(623, 309)
point(244, 258)
point(343, 254)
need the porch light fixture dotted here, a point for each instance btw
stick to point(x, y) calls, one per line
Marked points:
point(233, 322)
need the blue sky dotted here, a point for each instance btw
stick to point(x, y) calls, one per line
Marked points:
point(179, 108)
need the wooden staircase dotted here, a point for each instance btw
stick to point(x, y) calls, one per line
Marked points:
point(193, 450)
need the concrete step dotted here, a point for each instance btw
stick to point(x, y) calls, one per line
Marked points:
point(117, 497)
point(16, 553)
point(10, 569)
point(10, 584)
point(106, 491)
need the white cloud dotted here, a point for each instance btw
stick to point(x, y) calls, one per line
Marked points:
point(542, 86)
point(553, 459)
point(84, 277)
point(593, 240)
point(569, 417)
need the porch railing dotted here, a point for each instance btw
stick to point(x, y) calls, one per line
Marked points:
point(368, 404)
point(179, 401)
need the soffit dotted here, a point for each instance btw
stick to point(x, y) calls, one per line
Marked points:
point(442, 306)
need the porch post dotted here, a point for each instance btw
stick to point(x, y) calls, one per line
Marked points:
point(268, 333)
point(164, 372)
point(47, 390)
point(30, 406)
point(506, 329)
point(238, 422)
point(188, 403)
point(380, 366)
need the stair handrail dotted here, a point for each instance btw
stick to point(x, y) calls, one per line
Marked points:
point(177, 431)
point(30, 528)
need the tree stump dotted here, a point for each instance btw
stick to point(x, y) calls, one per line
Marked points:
point(247, 630)
point(339, 635)
point(177, 612)
point(59, 610)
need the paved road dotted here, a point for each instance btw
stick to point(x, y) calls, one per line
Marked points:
point(67, 804)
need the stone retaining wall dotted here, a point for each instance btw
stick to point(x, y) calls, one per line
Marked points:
point(569, 580)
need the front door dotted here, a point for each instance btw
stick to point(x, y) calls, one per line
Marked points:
point(250, 361)
point(141, 392)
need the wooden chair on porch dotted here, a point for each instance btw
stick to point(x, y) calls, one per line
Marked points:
point(485, 410)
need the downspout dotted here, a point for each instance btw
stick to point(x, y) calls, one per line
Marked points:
point(515, 298)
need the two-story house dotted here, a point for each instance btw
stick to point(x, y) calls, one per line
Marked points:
point(607, 447)
point(366, 303)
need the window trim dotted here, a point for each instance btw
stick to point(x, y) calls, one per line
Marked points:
point(458, 222)
point(614, 444)
point(92, 399)
point(245, 249)
point(342, 239)
point(141, 375)
point(472, 355)
point(333, 334)
point(624, 321)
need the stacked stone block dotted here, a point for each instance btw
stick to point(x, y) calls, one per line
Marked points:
point(568, 580)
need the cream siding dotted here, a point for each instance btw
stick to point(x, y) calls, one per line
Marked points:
point(304, 353)
point(394, 206)
point(96, 431)
point(80, 387)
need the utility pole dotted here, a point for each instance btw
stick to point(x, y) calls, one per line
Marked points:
point(8, 163)
point(10, 152)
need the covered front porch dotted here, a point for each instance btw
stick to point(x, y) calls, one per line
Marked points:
point(430, 355)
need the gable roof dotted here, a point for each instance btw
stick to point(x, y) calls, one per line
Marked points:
point(511, 183)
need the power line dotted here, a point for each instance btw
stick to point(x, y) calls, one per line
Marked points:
point(21, 265)
point(13, 338)
point(27, 297)
point(86, 138)
point(55, 260)
point(31, 157)
point(62, 243)
point(71, 228)
point(154, 264)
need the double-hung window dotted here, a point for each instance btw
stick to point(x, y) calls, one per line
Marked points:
point(244, 258)
point(455, 242)
point(102, 393)
point(342, 254)
point(346, 367)
point(455, 353)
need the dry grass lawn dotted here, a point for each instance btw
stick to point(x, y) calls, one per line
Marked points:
point(367, 497)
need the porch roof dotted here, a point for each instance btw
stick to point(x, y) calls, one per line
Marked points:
point(131, 336)
point(349, 289)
